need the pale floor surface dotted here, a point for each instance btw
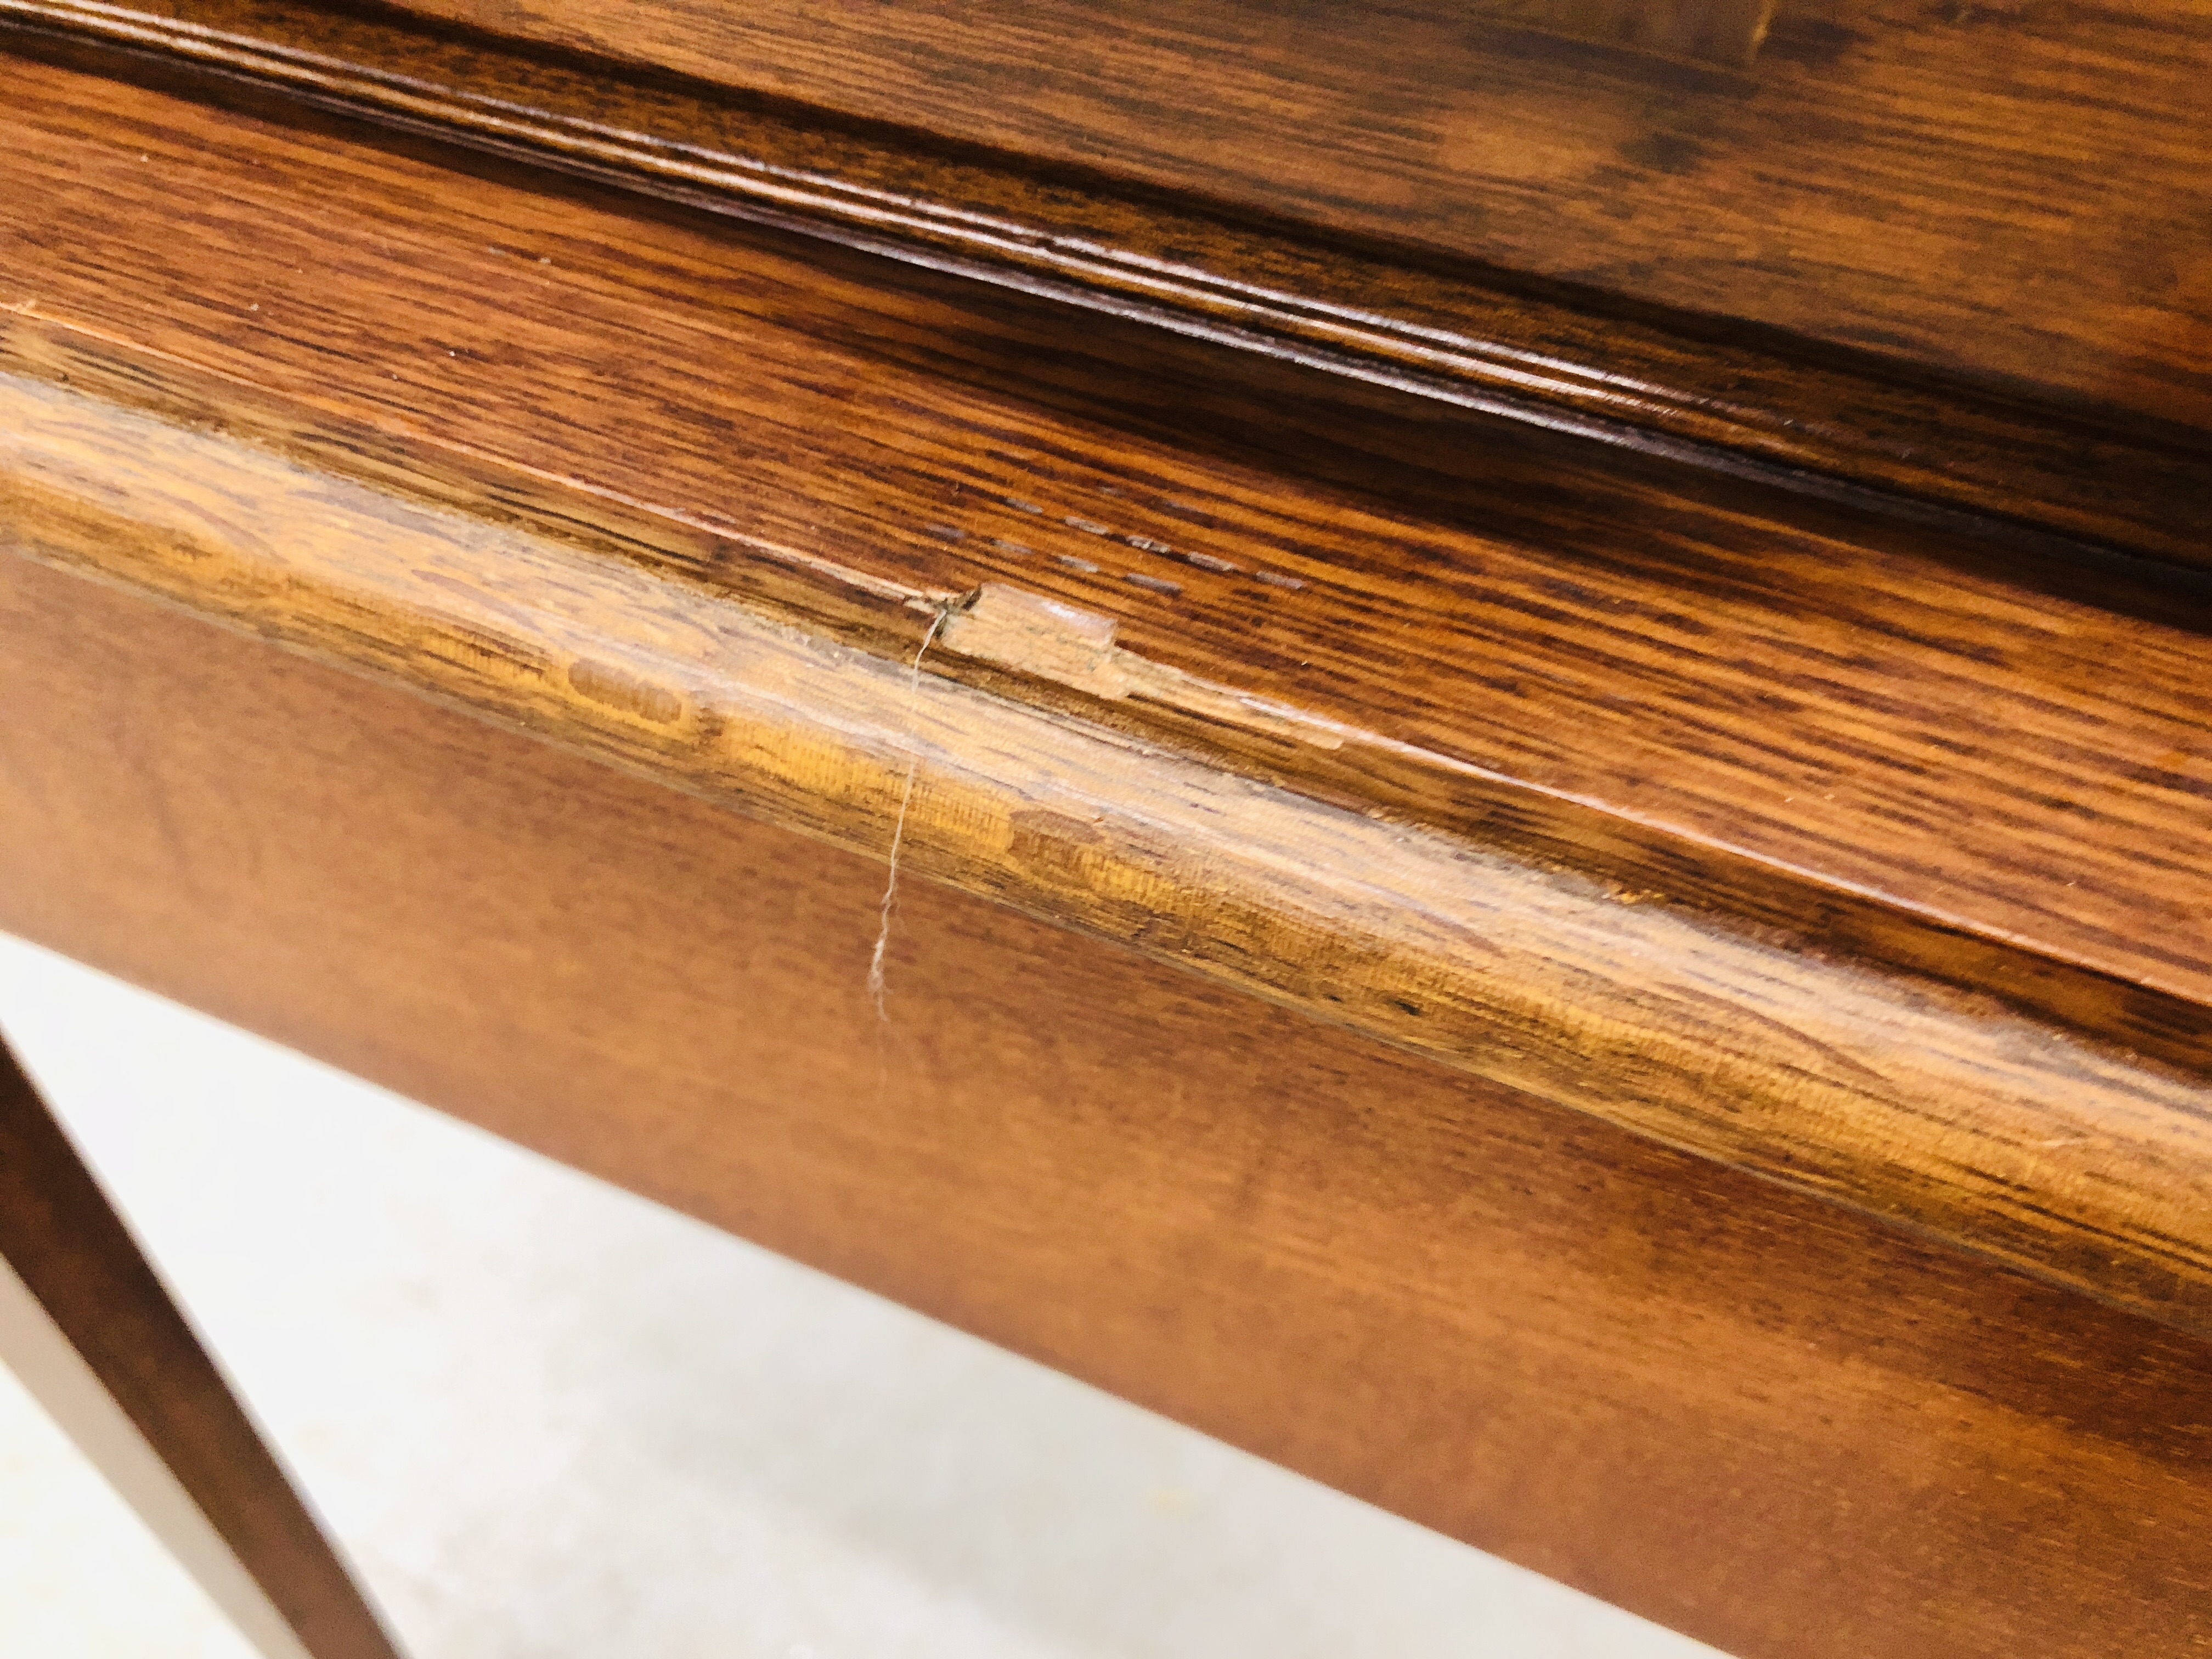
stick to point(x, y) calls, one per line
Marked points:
point(550, 1419)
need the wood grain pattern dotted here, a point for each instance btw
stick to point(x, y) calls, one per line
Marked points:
point(1707, 725)
point(1857, 736)
point(1723, 32)
point(1928, 1108)
point(1764, 1419)
point(2014, 191)
point(1463, 334)
point(268, 1564)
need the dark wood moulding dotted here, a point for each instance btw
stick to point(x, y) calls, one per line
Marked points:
point(1903, 433)
point(2014, 192)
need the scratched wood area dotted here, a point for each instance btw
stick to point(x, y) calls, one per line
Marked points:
point(1755, 1417)
point(2016, 190)
point(1932, 1110)
point(1822, 723)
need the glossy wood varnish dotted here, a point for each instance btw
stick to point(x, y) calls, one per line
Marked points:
point(2017, 191)
point(1809, 713)
point(1461, 332)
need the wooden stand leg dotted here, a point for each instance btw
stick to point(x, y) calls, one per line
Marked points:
point(89, 1329)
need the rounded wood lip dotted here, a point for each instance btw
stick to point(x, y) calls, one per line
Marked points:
point(2133, 1001)
point(1920, 1103)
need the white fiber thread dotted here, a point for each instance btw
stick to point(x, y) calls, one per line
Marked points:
point(898, 830)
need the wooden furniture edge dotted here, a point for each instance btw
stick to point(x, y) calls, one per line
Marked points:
point(1930, 1108)
point(1986, 461)
point(86, 1325)
point(1328, 759)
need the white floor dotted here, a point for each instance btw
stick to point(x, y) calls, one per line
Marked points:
point(550, 1419)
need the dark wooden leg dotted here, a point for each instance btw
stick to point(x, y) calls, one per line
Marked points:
point(89, 1327)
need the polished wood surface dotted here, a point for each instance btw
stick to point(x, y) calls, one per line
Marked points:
point(1463, 333)
point(2014, 192)
point(1754, 1416)
point(114, 1359)
point(1876, 738)
point(1887, 1094)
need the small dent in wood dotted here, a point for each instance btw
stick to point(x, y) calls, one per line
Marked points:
point(1030, 633)
point(614, 687)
